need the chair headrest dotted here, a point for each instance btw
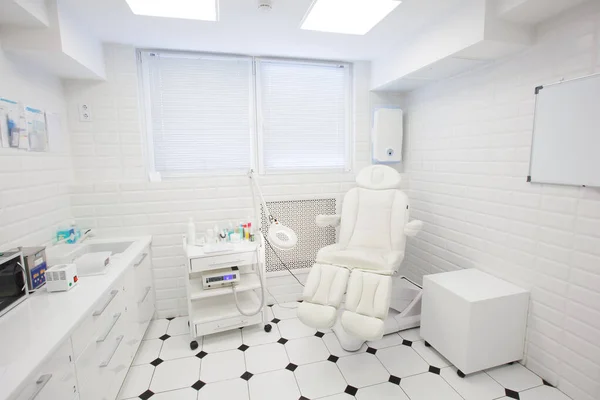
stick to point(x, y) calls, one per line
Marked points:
point(378, 177)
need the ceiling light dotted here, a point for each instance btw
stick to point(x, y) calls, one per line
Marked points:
point(353, 17)
point(204, 10)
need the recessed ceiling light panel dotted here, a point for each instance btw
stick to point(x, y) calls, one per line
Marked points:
point(353, 17)
point(204, 10)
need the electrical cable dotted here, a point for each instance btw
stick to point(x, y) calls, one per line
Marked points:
point(284, 264)
point(262, 298)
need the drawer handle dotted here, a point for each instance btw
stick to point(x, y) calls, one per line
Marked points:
point(242, 322)
point(146, 295)
point(110, 328)
point(40, 384)
point(141, 260)
point(227, 263)
point(112, 353)
point(113, 294)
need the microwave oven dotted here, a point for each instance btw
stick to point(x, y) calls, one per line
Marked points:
point(13, 281)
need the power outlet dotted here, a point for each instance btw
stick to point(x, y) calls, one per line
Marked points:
point(85, 113)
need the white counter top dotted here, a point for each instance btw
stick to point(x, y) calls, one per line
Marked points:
point(33, 330)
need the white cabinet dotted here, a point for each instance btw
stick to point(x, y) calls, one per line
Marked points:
point(114, 331)
point(55, 379)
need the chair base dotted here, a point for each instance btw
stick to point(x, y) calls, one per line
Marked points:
point(405, 313)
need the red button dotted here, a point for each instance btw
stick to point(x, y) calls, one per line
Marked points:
point(75, 279)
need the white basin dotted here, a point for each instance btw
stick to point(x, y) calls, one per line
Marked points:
point(69, 253)
point(114, 248)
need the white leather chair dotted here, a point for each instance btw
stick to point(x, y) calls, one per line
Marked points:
point(373, 227)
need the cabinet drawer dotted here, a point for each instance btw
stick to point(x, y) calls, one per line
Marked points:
point(227, 324)
point(100, 319)
point(101, 367)
point(53, 380)
point(222, 261)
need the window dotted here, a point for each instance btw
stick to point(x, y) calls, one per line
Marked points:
point(225, 114)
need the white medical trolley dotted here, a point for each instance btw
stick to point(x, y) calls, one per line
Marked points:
point(214, 310)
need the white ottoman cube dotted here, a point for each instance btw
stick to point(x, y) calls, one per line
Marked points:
point(474, 319)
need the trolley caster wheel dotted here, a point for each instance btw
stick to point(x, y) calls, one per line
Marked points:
point(268, 328)
point(427, 344)
point(194, 345)
point(460, 373)
point(188, 324)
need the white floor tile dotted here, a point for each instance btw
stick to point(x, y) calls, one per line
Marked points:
point(277, 385)
point(181, 394)
point(137, 381)
point(362, 370)
point(222, 366)
point(148, 351)
point(543, 393)
point(176, 374)
point(414, 335)
point(177, 347)
point(430, 356)
point(335, 348)
point(388, 341)
point(319, 380)
point(255, 335)
point(428, 386)
point(178, 326)
point(285, 310)
point(294, 329)
point(479, 386)
point(307, 350)
point(515, 377)
point(383, 391)
point(156, 329)
point(236, 389)
point(266, 358)
point(402, 361)
point(228, 340)
point(341, 396)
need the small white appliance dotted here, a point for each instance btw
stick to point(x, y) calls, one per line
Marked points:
point(220, 277)
point(61, 278)
point(387, 135)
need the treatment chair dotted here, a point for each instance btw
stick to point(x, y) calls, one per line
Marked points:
point(373, 227)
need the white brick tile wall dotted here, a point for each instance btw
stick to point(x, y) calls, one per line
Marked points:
point(112, 192)
point(34, 187)
point(467, 159)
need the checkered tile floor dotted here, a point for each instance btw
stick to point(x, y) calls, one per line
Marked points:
point(295, 362)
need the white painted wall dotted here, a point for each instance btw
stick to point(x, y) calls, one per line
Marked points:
point(113, 193)
point(34, 187)
point(468, 155)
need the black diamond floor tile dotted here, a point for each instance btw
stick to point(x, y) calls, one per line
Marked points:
point(157, 362)
point(202, 354)
point(319, 334)
point(351, 390)
point(394, 379)
point(198, 385)
point(275, 320)
point(171, 318)
point(407, 343)
point(303, 398)
point(246, 376)
point(164, 337)
point(545, 382)
point(243, 347)
point(291, 367)
point(512, 394)
point(371, 350)
point(333, 358)
point(146, 395)
point(434, 370)
point(282, 341)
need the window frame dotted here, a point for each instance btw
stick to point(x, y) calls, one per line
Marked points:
point(255, 126)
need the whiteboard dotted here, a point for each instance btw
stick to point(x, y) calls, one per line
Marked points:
point(566, 133)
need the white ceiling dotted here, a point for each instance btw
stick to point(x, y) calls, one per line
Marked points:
point(244, 29)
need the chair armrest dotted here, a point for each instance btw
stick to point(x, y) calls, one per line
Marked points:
point(413, 227)
point(328, 220)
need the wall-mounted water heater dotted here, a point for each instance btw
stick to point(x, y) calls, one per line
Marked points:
point(387, 135)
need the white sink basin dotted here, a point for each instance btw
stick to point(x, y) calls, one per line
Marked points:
point(114, 248)
point(69, 253)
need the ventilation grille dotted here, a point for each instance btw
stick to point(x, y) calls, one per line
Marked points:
point(299, 215)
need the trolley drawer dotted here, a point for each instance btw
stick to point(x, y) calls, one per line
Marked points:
point(222, 261)
point(227, 324)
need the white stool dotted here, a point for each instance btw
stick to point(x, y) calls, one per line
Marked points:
point(475, 320)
